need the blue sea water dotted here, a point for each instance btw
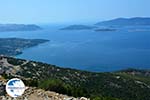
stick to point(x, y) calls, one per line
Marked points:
point(89, 50)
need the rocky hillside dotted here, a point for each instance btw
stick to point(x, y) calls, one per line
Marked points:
point(123, 85)
point(33, 93)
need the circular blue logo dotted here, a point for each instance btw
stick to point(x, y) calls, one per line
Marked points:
point(15, 87)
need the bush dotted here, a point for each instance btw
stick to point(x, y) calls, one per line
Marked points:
point(60, 87)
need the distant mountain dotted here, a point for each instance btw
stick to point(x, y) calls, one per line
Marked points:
point(128, 84)
point(18, 27)
point(14, 46)
point(136, 21)
point(78, 27)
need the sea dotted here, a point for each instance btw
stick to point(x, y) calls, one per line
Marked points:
point(97, 51)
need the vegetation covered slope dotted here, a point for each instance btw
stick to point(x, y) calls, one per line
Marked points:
point(123, 85)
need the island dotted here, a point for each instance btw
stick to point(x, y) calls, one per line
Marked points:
point(139, 30)
point(78, 27)
point(105, 30)
point(136, 21)
point(14, 46)
point(18, 27)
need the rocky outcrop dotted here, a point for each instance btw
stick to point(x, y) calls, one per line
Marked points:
point(33, 93)
point(39, 94)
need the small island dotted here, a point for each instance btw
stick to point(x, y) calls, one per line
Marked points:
point(14, 46)
point(18, 27)
point(78, 27)
point(105, 30)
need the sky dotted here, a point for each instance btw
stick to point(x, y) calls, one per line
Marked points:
point(70, 11)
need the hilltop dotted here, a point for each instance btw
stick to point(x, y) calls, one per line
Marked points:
point(128, 84)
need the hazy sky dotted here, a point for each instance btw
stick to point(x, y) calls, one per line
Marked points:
point(59, 11)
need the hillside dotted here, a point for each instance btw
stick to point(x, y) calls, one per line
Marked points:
point(33, 93)
point(18, 27)
point(122, 85)
point(126, 22)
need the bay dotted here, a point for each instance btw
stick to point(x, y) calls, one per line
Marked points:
point(87, 49)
